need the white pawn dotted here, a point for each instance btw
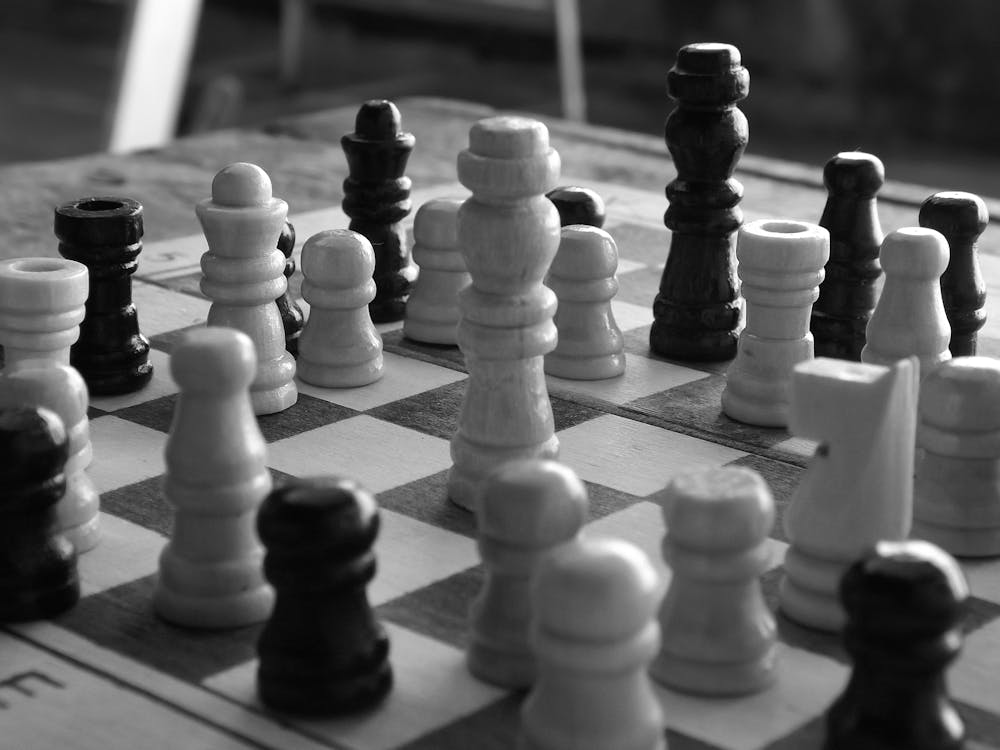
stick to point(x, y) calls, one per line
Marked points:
point(339, 346)
point(432, 308)
point(61, 388)
point(216, 476)
point(243, 274)
point(594, 633)
point(781, 267)
point(909, 318)
point(526, 508)
point(956, 493)
point(718, 634)
point(590, 346)
point(41, 306)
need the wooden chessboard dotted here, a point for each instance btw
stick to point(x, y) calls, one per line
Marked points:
point(110, 674)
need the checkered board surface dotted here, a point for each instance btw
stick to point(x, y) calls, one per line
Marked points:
point(110, 674)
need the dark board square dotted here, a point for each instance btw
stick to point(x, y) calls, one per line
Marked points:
point(438, 610)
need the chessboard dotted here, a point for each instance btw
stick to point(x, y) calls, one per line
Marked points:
point(111, 674)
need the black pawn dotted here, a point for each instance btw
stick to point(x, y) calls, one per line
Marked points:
point(322, 652)
point(291, 314)
point(38, 577)
point(377, 198)
point(904, 603)
point(105, 234)
point(961, 218)
point(697, 310)
point(578, 205)
point(849, 291)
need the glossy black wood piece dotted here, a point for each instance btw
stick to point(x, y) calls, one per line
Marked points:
point(849, 290)
point(578, 205)
point(697, 312)
point(377, 199)
point(961, 218)
point(322, 652)
point(904, 602)
point(291, 314)
point(105, 234)
point(38, 577)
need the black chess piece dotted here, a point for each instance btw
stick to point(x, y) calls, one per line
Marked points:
point(697, 310)
point(291, 314)
point(578, 205)
point(322, 652)
point(961, 218)
point(904, 603)
point(848, 293)
point(105, 234)
point(38, 577)
point(377, 198)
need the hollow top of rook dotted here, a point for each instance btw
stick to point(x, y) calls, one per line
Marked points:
point(954, 213)
point(43, 284)
point(914, 253)
point(708, 74)
point(782, 246)
point(241, 185)
point(963, 393)
point(214, 360)
point(854, 173)
point(102, 220)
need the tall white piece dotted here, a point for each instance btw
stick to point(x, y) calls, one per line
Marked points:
point(216, 476)
point(61, 388)
point(780, 268)
point(909, 318)
point(243, 274)
point(339, 346)
point(594, 632)
point(432, 308)
point(41, 306)
point(591, 345)
point(719, 635)
point(858, 488)
point(527, 509)
point(509, 232)
point(957, 487)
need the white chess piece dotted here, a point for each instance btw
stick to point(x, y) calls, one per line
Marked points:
point(339, 346)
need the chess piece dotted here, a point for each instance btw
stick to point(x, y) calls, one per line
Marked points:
point(594, 633)
point(216, 477)
point(849, 290)
point(590, 345)
point(697, 310)
point(961, 218)
point(909, 318)
point(432, 309)
point(956, 490)
point(38, 577)
point(527, 509)
point(780, 268)
point(61, 388)
point(719, 636)
point(105, 234)
point(322, 652)
point(243, 275)
point(339, 347)
point(41, 306)
point(377, 198)
point(858, 488)
point(578, 205)
point(905, 602)
point(292, 319)
point(509, 233)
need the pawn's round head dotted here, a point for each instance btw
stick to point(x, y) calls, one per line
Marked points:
point(578, 205)
point(214, 360)
point(962, 393)
point(854, 173)
point(914, 253)
point(954, 213)
point(586, 253)
point(241, 185)
point(338, 258)
point(34, 445)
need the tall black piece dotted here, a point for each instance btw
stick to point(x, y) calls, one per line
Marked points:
point(322, 652)
point(849, 291)
point(38, 577)
point(697, 311)
point(377, 198)
point(904, 603)
point(961, 218)
point(291, 314)
point(578, 205)
point(105, 234)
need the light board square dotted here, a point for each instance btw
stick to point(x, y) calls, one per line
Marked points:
point(163, 310)
point(975, 678)
point(161, 384)
point(124, 452)
point(642, 377)
point(126, 552)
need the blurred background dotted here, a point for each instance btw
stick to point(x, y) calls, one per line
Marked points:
point(909, 80)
